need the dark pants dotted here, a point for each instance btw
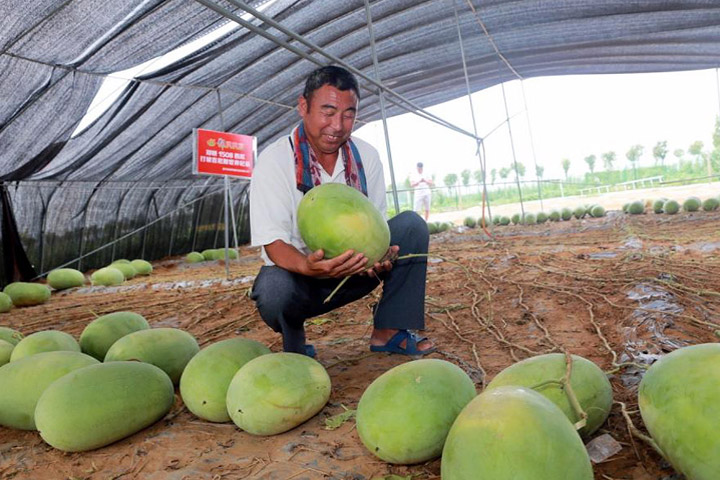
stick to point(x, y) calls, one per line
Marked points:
point(285, 299)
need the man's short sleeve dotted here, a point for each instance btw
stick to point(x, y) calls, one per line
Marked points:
point(374, 176)
point(271, 201)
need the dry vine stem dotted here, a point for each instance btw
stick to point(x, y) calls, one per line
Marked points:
point(565, 384)
point(637, 433)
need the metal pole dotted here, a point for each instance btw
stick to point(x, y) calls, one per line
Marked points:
point(232, 219)
point(532, 143)
point(512, 147)
point(478, 141)
point(717, 86)
point(381, 94)
point(173, 222)
point(145, 232)
point(416, 109)
point(226, 193)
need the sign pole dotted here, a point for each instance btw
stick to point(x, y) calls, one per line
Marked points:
point(232, 219)
point(226, 154)
point(227, 233)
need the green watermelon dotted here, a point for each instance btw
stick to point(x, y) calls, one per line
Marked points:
point(194, 257)
point(636, 208)
point(590, 385)
point(513, 433)
point(64, 278)
point(711, 204)
point(127, 269)
point(24, 294)
point(26, 379)
point(678, 399)
point(206, 378)
point(167, 348)
point(108, 276)
point(45, 341)
point(335, 218)
point(5, 302)
point(597, 211)
point(10, 335)
point(99, 335)
point(97, 405)
point(276, 392)
point(405, 414)
point(6, 349)
point(142, 267)
point(692, 204)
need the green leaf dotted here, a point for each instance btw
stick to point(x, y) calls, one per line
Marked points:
point(331, 423)
point(319, 321)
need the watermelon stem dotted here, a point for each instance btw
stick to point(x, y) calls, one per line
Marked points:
point(637, 433)
point(342, 282)
point(571, 393)
point(564, 383)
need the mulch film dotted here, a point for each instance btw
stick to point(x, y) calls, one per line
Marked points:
point(619, 291)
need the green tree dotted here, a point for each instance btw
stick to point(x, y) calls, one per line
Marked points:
point(520, 168)
point(539, 170)
point(696, 148)
point(566, 166)
point(660, 151)
point(478, 176)
point(465, 174)
point(504, 172)
point(679, 154)
point(493, 176)
point(633, 155)
point(715, 156)
point(450, 180)
point(590, 160)
point(608, 158)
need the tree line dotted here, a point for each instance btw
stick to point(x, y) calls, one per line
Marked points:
point(659, 152)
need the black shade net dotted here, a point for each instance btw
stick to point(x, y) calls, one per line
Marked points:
point(131, 167)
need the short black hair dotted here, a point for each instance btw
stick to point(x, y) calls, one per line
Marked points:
point(332, 75)
point(419, 164)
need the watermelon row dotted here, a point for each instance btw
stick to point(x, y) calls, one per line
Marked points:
point(121, 376)
point(26, 294)
point(671, 207)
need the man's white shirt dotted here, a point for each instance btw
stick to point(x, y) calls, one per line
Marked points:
point(274, 196)
point(423, 187)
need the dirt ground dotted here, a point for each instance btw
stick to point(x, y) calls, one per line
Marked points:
point(615, 290)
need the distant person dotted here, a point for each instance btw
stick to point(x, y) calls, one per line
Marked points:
point(291, 286)
point(421, 184)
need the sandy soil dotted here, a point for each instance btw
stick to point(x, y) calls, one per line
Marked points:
point(613, 289)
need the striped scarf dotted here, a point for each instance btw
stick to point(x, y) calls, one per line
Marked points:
point(307, 168)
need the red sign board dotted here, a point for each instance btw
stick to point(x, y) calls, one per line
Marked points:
point(223, 153)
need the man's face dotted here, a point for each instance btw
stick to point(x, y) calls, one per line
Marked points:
point(329, 117)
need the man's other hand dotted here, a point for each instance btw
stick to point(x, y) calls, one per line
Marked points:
point(345, 264)
point(385, 264)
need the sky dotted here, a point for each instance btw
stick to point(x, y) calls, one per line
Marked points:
point(568, 116)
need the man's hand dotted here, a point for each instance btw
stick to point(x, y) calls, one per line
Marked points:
point(385, 264)
point(348, 263)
